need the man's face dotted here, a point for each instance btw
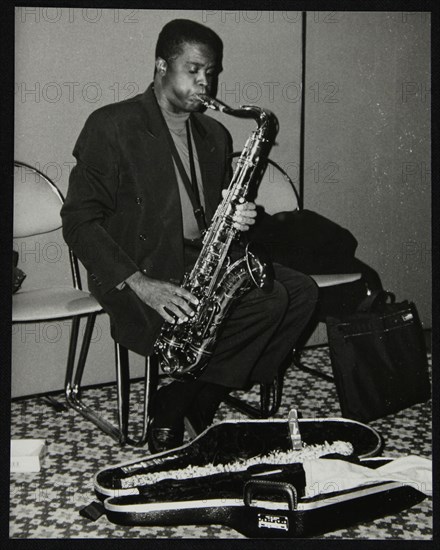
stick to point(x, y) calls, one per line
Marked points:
point(191, 72)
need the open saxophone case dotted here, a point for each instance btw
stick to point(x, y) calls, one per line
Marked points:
point(264, 478)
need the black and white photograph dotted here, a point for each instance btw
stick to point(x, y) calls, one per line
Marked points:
point(221, 318)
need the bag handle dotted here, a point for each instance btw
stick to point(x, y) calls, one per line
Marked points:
point(376, 298)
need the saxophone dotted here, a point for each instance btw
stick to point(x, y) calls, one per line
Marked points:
point(183, 350)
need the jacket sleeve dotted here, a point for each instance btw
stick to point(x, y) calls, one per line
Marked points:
point(91, 200)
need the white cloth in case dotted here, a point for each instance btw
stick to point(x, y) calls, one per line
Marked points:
point(324, 475)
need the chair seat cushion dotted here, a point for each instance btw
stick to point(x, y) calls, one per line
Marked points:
point(51, 303)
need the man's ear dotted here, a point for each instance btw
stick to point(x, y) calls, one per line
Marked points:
point(161, 65)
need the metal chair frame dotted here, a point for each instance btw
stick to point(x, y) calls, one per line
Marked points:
point(75, 370)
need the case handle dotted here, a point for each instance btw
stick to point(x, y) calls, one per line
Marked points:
point(254, 486)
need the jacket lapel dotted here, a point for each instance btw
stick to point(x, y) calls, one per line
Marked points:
point(161, 171)
point(209, 166)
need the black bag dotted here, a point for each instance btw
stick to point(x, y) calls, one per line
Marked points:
point(378, 358)
point(310, 243)
point(306, 241)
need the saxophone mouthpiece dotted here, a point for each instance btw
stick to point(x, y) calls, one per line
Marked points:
point(210, 103)
point(245, 111)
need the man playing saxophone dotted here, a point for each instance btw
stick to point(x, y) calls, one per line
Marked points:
point(149, 175)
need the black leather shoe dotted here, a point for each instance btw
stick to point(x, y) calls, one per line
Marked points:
point(163, 439)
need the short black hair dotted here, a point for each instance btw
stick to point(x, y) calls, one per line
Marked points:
point(178, 32)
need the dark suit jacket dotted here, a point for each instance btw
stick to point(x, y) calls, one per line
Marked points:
point(122, 211)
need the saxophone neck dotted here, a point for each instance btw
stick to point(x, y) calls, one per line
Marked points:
point(261, 116)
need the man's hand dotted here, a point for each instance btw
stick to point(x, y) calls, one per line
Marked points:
point(160, 295)
point(244, 215)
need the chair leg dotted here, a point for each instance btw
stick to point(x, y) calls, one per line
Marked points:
point(241, 406)
point(54, 403)
point(87, 337)
point(150, 387)
point(71, 356)
point(270, 401)
point(265, 395)
point(68, 384)
point(123, 390)
point(74, 378)
point(270, 398)
point(271, 393)
point(309, 370)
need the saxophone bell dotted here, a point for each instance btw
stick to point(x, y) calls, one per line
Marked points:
point(259, 266)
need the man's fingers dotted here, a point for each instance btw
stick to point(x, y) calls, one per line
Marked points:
point(241, 227)
point(163, 312)
point(244, 219)
point(182, 304)
point(248, 208)
point(180, 291)
point(244, 216)
point(175, 314)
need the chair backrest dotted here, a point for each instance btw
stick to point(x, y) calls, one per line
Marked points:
point(276, 192)
point(37, 206)
point(37, 202)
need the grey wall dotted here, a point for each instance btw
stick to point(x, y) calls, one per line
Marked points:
point(367, 133)
point(368, 140)
point(69, 62)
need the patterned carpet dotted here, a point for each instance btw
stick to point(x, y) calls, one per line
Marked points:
point(46, 504)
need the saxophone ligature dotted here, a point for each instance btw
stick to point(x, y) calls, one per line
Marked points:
point(184, 350)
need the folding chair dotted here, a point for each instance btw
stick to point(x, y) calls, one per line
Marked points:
point(37, 204)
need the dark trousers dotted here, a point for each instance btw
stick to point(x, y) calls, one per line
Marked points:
point(261, 330)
